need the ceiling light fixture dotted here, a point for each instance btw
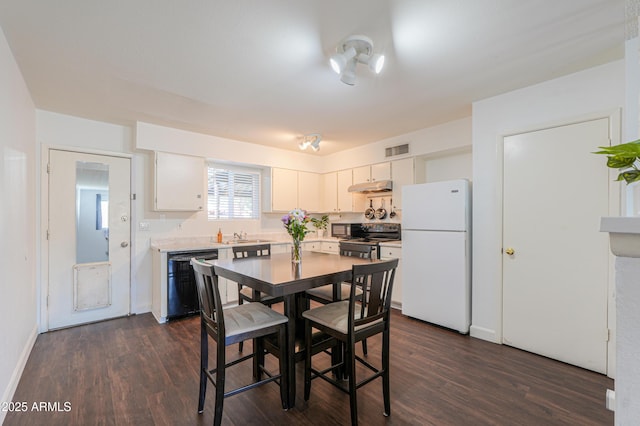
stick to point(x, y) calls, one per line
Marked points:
point(311, 140)
point(352, 50)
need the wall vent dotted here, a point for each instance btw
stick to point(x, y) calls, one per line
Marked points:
point(396, 150)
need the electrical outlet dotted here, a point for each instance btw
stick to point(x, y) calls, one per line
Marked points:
point(143, 226)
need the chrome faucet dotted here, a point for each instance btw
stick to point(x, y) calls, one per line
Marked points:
point(240, 236)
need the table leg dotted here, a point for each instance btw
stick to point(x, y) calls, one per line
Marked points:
point(290, 352)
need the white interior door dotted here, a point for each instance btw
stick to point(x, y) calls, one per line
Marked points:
point(555, 282)
point(89, 236)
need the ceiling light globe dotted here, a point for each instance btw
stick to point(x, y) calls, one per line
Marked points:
point(348, 75)
point(337, 63)
point(376, 63)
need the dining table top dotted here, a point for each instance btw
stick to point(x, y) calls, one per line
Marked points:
point(277, 275)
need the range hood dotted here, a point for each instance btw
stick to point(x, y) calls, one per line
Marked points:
point(377, 186)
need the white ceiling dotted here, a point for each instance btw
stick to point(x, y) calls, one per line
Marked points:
point(257, 70)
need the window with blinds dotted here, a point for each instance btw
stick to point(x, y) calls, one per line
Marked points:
point(233, 194)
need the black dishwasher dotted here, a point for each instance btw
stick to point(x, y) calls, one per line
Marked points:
point(182, 292)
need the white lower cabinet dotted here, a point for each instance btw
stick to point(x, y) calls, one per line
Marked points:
point(280, 248)
point(391, 253)
point(229, 288)
point(330, 247)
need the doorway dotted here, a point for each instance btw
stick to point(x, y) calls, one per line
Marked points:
point(89, 236)
point(555, 260)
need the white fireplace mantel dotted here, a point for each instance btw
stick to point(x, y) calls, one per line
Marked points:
point(624, 236)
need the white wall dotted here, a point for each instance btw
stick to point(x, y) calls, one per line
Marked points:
point(597, 90)
point(18, 262)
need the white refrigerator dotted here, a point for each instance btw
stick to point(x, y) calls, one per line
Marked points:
point(436, 253)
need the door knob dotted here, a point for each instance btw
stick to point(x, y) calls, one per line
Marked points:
point(510, 251)
point(124, 244)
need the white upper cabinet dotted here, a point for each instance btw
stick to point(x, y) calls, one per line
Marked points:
point(335, 190)
point(372, 173)
point(330, 192)
point(292, 189)
point(179, 182)
point(284, 189)
point(402, 173)
point(346, 199)
point(309, 191)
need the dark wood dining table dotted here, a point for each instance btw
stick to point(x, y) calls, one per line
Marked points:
point(277, 276)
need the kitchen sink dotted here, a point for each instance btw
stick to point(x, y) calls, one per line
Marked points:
point(231, 242)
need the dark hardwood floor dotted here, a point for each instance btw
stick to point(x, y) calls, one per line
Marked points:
point(133, 371)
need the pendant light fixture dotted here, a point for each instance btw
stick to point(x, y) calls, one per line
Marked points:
point(353, 50)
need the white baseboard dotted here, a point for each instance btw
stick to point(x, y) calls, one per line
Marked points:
point(17, 371)
point(483, 333)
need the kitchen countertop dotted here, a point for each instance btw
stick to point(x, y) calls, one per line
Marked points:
point(206, 243)
point(397, 244)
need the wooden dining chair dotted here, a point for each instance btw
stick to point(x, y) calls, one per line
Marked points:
point(232, 325)
point(345, 322)
point(247, 294)
point(324, 294)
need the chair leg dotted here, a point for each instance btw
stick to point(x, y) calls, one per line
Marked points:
point(241, 344)
point(258, 358)
point(364, 347)
point(284, 371)
point(204, 366)
point(353, 399)
point(220, 377)
point(385, 375)
point(307, 360)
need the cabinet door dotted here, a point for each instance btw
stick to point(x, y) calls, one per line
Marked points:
point(280, 248)
point(309, 197)
point(344, 197)
point(179, 182)
point(284, 189)
point(380, 171)
point(402, 173)
point(332, 247)
point(330, 192)
point(311, 246)
point(394, 253)
point(362, 174)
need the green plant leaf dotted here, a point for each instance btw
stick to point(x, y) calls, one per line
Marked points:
point(620, 162)
point(630, 176)
point(627, 149)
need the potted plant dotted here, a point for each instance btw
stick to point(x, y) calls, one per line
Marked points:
point(320, 224)
point(624, 157)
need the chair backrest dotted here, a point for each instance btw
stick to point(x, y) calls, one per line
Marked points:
point(209, 296)
point(355, 250)
point(256, 250)
point(376, 280)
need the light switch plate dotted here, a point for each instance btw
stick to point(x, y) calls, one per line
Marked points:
point(143, 226)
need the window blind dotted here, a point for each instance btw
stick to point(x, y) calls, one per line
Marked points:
point(233, 194)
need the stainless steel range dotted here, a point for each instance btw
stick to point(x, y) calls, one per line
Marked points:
point(373, 234)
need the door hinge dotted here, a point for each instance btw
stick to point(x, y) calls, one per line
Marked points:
point(607, 335)
point(48, 235)
point(133, 197)
point(47, 300)
point(48, 168)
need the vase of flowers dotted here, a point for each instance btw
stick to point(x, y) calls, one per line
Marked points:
point(295, 223)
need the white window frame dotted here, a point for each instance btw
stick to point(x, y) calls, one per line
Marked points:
point(215, 194)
